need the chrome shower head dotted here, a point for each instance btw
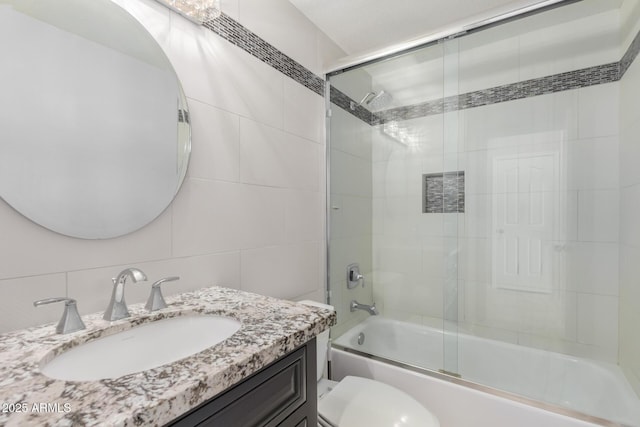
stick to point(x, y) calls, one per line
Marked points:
point(379, 101)
point(367, 98)
point(375, 101)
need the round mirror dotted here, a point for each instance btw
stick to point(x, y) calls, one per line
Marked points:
point(94, 126)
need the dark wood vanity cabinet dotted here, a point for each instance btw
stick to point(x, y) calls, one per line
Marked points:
point(282, 394)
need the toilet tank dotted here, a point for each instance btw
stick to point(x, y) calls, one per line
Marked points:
point(322, 340)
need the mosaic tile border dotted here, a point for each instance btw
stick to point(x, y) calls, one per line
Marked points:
point(585, 77)
point(235, 33)
point(343, 101)
point(239, 35)
point(510, 92)
point(630, 55)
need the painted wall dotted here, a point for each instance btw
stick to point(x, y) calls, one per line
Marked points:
point(630, 204)
point(250, 214)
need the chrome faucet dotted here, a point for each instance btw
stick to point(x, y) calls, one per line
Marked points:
point(371, 309)
point(117, 308)
point(71, 320)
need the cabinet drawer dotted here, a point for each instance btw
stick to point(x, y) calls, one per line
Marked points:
point(279, 395)
point(265, 399)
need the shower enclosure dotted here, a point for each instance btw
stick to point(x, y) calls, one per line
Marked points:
point(488, 187)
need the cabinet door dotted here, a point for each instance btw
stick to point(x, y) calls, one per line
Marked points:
point(282, 394)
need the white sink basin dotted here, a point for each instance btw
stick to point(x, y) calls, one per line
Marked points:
point(143, 347)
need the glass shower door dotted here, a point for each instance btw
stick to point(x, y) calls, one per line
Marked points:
point(453, 208)
point(394, 198)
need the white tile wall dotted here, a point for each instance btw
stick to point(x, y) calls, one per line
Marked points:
point(209, 213)
point(581, 127)
point(487, 60)
point(345, 251)
point(284, 271)
point(354, 217)
point(302, 108)
point(591, 267)
point(630, 211)
point(350, 175)
point(541, 119)
point(215, 147)
point(598, 215)
point(589, 212)
point(563, 47)
point(27, 249)
point(629, 317)
point(303, 216)
point(540, 46)
point(598, 110)
point(593, 163)
point(269, 156)
point(17, 306)
point(630, 204)
point(250, 213)
point(350, 134)
point(629, 149)
point(598, 321)
point(262, 217)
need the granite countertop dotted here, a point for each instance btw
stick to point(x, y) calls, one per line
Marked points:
point(270, 329)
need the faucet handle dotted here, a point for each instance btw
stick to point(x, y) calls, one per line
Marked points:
point(354, 278)
point(156, 300)
point(71, 320)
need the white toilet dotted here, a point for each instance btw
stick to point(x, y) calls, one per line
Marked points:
point(361, 402)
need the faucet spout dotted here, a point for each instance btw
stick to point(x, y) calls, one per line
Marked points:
point(117, 308)
point(371, 309)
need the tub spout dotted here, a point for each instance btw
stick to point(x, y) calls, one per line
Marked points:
point(371, 309)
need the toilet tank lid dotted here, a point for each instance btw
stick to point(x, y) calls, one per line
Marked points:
point(316, 304)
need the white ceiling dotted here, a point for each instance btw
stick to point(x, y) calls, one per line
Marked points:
point(360, 26)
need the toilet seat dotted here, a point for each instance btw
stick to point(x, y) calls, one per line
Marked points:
point(361, 402)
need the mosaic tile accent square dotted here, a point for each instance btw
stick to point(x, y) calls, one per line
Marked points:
point(443, 192)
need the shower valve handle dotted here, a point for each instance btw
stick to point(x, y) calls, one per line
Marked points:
point(353, 276)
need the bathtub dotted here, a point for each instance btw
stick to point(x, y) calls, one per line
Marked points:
point(596, 389)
